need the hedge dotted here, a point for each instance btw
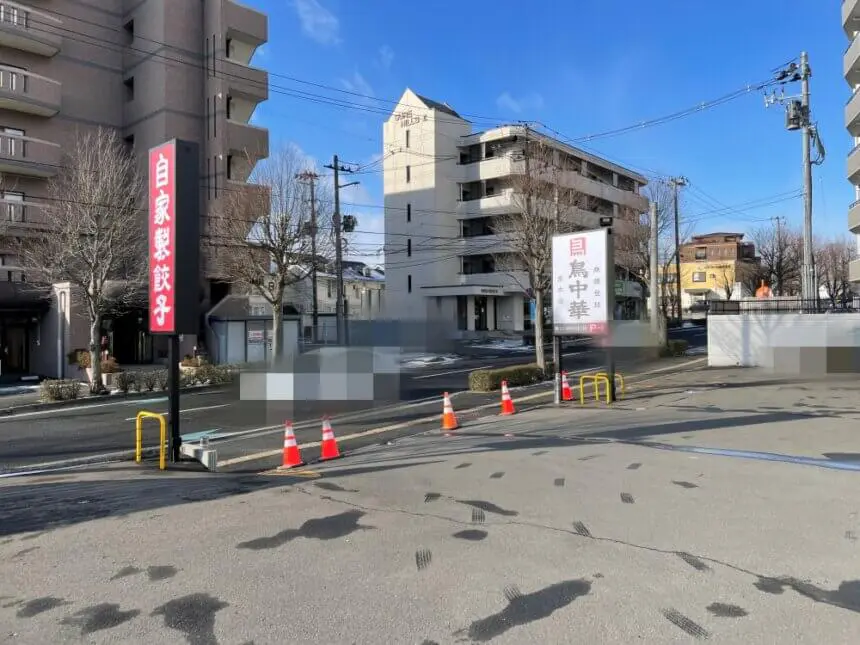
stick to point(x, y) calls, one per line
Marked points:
point(142, 381)
point(674, 347)
point(59, 389)
point(515, 375)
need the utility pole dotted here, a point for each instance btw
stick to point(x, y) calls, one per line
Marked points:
point(311, 177)
point(798, 116)
point(808, 284)
point(338, 251)
point(676, 182)
point(654, 282)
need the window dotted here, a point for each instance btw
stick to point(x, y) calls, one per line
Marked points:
point(701, 254)
point(13, 206)
point(229, 166)
point(12, 80)
point(409, 283)
point(408, 174)
point(408, 248)
point(407, 138)
point(228, 45)
point(12, 145)
point(229, 107)
point(408, 212)
point(700, 276)
point(129, 88)
point(129, 32)
point(328, 288)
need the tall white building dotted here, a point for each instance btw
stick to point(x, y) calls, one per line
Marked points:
point(851, 70)
point(443, 187)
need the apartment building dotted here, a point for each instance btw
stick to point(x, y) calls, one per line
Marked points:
point(445, 189)
point(363, 294)
point(714, 266)
point(851, 71)
point(151, 69)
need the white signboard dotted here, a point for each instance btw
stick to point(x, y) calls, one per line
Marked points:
point(580, 286)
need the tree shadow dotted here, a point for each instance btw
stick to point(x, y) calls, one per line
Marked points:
point(31, 507)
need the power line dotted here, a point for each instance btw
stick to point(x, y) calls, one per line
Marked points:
point(321, 99)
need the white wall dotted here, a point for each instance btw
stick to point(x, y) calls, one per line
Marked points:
point(432, 194)
point(772, 340)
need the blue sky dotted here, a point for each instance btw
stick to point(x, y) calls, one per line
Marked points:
point(581, 67)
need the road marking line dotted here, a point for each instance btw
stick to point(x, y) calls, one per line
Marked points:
point(204, 407)
point(471, 369)
point(93, 406)
point(435, 417)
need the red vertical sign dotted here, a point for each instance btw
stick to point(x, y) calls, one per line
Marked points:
point(162, 239)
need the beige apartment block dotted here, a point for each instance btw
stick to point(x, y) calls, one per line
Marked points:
point(152, 69)
point(445, 187)
point(851, 71)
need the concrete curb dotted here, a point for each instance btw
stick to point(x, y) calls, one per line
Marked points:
point(95, 400)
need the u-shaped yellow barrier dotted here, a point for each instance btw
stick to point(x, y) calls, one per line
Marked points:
point(596, 380)
point(617, 376)
point(138, 444)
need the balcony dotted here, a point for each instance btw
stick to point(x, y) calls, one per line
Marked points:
point(27, 29)
point(29, 157)
point(854, 166)
point(854, 271)
point(22, 215)
point(250, 25)
point(852, 114)
point(23, 91)
point(247, 140)
point(851, 63)
point(854, 217)
point(610, 193)
point(484, 244)
point(245, 81)
point(850, 17)
point(494, 205)
point(492, 168)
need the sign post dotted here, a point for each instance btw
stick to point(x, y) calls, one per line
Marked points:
point(583, 288)
point(174, 258)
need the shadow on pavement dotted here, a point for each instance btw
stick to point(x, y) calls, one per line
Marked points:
point(53, 501)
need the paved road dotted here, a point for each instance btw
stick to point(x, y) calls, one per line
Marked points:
point(91, 429)
point(244, 427)
point(578, 528)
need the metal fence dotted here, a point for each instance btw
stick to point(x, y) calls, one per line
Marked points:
point(784, 306)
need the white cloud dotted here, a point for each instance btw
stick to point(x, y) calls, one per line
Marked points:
point(357, 83)
point(386, 56)
point(318, 23)
point(506, 101)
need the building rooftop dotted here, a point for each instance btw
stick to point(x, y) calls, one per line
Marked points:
point(436, 105)
point(704, 236)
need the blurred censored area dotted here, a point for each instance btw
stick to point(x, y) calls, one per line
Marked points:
point(316, 380)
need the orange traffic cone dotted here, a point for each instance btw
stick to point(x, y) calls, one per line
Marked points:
point(292, 457)
point(566, 393)
point(449, 421)
point(507, 401)
point(328, 448)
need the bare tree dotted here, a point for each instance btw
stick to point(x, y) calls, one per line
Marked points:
point(780, 248)
point(831, 263)
point(545, 208)
point(750, 275)
point(97, 239)
point(633, 244)
point(262, 234)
